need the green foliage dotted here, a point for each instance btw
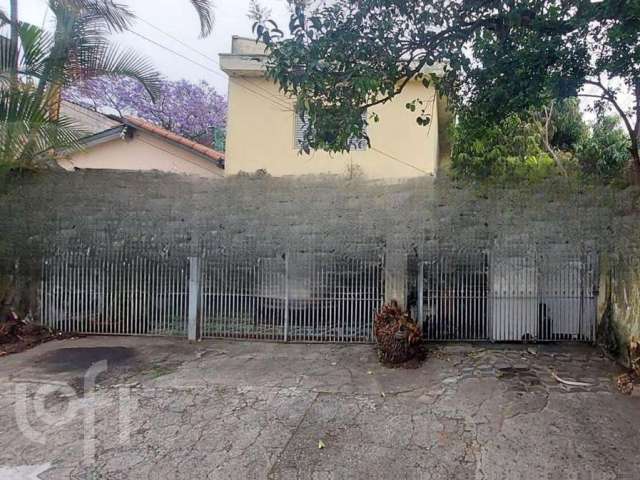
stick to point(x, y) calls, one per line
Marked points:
point(498, 58)
point(79, 48)
point(27, 131)
point(568, 128)
point(510, 150)
point(605, 152)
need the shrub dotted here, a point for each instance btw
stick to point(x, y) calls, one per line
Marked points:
point(605, 152)
point(568, 128)
point(509, 150)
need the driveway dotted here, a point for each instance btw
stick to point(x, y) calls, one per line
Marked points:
point(167, 409)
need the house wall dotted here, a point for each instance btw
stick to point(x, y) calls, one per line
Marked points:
point(143, 152)
point(260, 135)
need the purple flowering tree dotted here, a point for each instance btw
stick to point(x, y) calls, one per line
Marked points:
point(193, 110)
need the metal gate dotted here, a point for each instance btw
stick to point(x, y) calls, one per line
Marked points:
point(306, 298)
point(116, 293)
point(509, 295)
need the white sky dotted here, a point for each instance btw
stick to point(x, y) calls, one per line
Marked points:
point(177, 18)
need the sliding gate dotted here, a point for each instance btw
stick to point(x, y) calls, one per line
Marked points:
point(508, 295)
point(306, 298)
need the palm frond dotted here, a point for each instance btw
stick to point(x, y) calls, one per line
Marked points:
point(110, 60)
point(81, 49)
point(26, 130)
point(116, 16)
point(36, 45)
point(4, 18)
point(205, 13)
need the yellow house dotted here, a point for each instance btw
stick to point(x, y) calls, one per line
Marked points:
point(263, 131)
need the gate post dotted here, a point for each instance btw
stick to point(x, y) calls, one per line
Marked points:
point(193, 330)
point(395, 277)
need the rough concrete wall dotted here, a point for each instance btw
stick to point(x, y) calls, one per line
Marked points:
point(314, 214)
point(325, 213)
point(625, 303)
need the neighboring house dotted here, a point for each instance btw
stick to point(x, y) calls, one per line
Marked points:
point(134, 144)
point(264, 132)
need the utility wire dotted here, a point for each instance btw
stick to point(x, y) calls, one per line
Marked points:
point(396, 159)
point(205, 67)
point(272, 98)
point(206, 57)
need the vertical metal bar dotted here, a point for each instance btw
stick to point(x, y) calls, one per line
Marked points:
point(421, 319)
point(156, 295)
point(76, 292)
point(55, 270)
point(108, 290)
point(227, 296)
point(146, 277)
point(360, 289)
point(43, 283)
point(438, 290)
point(203, 302)
point(329, 280)
point(286, 296)
point(137, 294)
point(84, 278)
point(119, 290)
point(233, 297)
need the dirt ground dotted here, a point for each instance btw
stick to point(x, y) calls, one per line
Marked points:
point(167, 409)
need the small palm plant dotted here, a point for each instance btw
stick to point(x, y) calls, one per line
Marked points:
point(397, 335)
point(33, 74)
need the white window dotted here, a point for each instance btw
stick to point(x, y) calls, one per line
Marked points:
point(302, 124)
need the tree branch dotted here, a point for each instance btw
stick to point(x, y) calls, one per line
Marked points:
point(607, 95)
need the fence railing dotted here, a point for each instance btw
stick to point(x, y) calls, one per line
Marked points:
point(509, 295)
point(306, 298)
point(115, 294)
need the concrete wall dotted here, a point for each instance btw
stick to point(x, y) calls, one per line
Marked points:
point(329, 215)
point(329, 211)
point(625, 303)
point(261, 126)
point(143, 152)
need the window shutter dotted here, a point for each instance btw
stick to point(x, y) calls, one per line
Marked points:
point(359, 143)
point(302, 124)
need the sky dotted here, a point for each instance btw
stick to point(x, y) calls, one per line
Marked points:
point(178, 19)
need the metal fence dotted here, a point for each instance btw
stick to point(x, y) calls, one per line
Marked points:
point(509, 295)
point(116, 293)
point(306, 298)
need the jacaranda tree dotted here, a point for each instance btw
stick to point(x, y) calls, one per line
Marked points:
point(194, 110)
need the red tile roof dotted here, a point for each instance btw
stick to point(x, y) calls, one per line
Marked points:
point(174, 137)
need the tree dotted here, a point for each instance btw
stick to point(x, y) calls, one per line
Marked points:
point(509, 150)
point(78, 49)
point(498, 58)
point(193, 110)
point(605, 152)
point(567, 125)
point(258, 13)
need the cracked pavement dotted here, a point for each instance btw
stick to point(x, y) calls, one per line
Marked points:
point(224, 409)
